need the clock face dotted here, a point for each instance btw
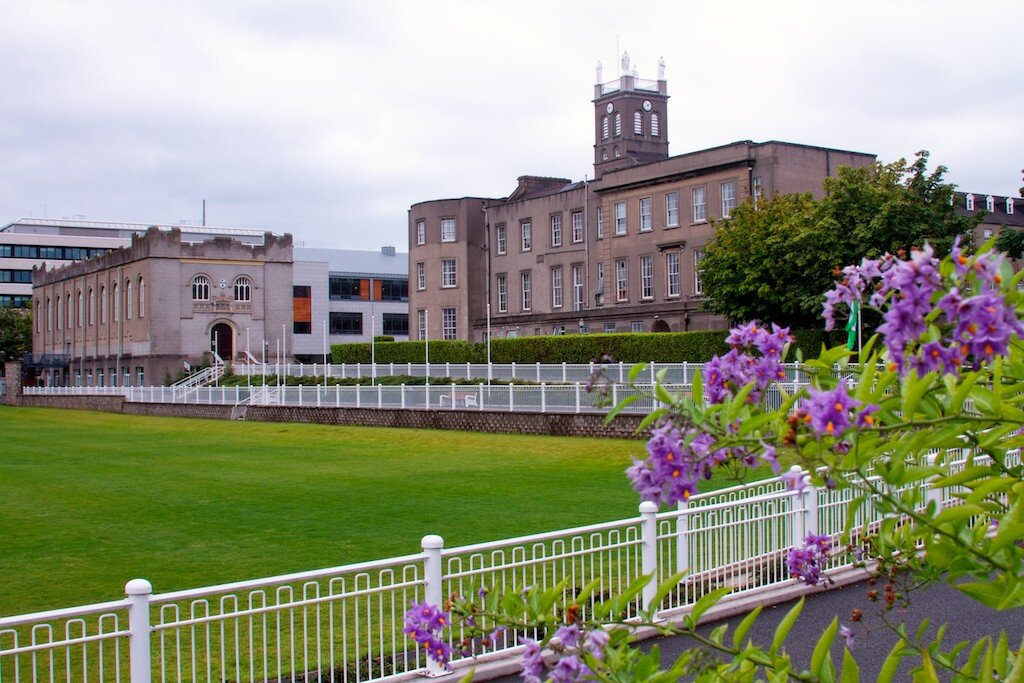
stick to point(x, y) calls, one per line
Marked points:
point(647, 105)
point(609, 108)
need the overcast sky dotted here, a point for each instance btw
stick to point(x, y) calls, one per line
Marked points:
point(327, 119)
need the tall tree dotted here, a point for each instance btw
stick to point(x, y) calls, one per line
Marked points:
point(15, 333)
point(772, 263)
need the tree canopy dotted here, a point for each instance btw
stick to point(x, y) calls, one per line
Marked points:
point(15, 333)
point(772, 262)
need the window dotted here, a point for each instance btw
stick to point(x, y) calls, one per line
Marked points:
point(59, 316)
point(103, 304)
point(646, 277)
point(620, 218)
point(672, 209)
point(577, 227)
point(421, 325)
point(142, 297)
point(396, 324)
point(700, 207)
point(92, 305)
point(502, 238)
point(698, 288)
point(655, 128)
point(618, 124)
point(20, 276)
point(609, 328)
point(990, 203)
point(243, 289)
point(527, 241)
point(599, 289)
point(672, 269)
point(99, 377)
point(638, 123)
point(302, 327)
point(556, 287)
point(448, 272)
point(577, 287)
point(448, 329)
point(69, 311)
point(646, 222)
point(527, 290)
point(140, 375)
point(556, 230)
point(394, 290)
point(621, 280)
point(302, 292)
point(604, 154)
point(421, 276)
point(600, 222)
point(346, 322)
point(200, 288)
point(636, 326)
point(128, 299)
point(421, 232)
point(81, 309)
point(758, 190)
point(604, 127)
point(49, 314)
point(970, 202)
point(728, 198)
point(502, 293)
point(127, 376)
point(617, 152)
point(343, 288)
point(1009, 206)
point(447, 229)
point(115, 302)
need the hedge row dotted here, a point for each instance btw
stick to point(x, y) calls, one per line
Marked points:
point(637, 347)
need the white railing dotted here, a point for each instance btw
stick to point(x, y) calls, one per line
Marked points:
point(344, 623)
point(74, 391)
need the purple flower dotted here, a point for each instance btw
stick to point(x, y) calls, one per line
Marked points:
point(595, 643)
point(533, 661)
point(424, 623)
point(769, 457)
point(847, 635)
point(829, 411)
point(805, 563)
point(568, 636)
point(569, 669)
point(793, 479)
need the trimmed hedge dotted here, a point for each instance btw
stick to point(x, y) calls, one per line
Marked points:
point(635, 347)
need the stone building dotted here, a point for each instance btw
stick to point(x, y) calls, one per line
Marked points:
point(616, 254)
point(136, 315)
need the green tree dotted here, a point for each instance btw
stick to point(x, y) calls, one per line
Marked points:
point(770, 263)
point(15, 333)
point(1012, 242)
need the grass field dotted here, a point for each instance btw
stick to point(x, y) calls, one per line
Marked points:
point(91, 500)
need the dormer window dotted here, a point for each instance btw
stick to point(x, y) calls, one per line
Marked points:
point(655, 130)
point(970, 202)
point(1009, 206)
point(638, 123)
point(990, 203)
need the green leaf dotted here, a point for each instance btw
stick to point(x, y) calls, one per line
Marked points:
point(784, 627)
point(666, 587)
point(468, 678)
point(851, 672)
point(620, 406)
point(697, 389)
point(823, 647)
point(635, 371)
point(705, 603)
point(740, 634)
point(892, 662)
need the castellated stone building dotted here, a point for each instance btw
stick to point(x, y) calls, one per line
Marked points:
point(619, 253)
point(135, 315)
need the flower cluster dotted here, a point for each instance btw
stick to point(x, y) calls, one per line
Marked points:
point(914, 294)
point(831, 412)
point(424, 622)
point(725, 375)
point(570, 666)
point(805, 563)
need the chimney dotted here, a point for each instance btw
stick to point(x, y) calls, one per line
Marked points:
point(387, 251)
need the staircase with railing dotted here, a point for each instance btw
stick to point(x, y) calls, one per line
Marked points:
point(211, 373)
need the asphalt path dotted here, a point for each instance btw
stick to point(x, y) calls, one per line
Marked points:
point(965, 619)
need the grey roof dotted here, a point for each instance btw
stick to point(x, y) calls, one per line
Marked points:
point(113, 226)
point(351, 262)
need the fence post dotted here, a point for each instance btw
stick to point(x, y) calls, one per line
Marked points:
point(238, 392)
point(683, 537)
point(337, 395)
point(810, 494)
point(513, 369)
point(932, 494)
point(432, 591)
point(300, 394)
point(538, 371)
point(654, 375)
point(358, 402)
point(543, 398)
point(380, 396)
point(480, 395)
point(511, 399)
point(318, 393)
point(649, 551)
point(139, 592)
point(577, 397)
point(622, 372)
point(799, 527)
point(563, 372)
point(615, 394)
point(401, 393)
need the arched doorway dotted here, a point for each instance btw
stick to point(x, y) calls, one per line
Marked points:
point(660, 326)
point(222, 340)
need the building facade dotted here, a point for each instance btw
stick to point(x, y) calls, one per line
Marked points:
point(616, 254)
point(134, 316)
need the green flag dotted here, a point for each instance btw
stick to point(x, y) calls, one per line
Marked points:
point(852, 324)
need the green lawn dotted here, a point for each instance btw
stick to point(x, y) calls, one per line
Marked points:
point(90, 500)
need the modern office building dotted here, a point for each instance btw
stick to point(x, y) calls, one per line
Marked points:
point(616, 254)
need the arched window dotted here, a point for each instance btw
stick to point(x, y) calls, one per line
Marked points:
point(115, 302)
point(49, 314)
point(103, 304)
point(655, 128)
point(142, 297)
point(618, 124)
point(243, 289)
point(638, 122)
point(604, 127)
point(200, 288)
point(128, 299)
point(604, 154)
point(38, 316)
point(59, 316)
point(81, 308)
point(92, 307)
point(69, 311)
point(618, 152)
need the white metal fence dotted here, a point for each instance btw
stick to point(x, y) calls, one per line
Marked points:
point(344, 623)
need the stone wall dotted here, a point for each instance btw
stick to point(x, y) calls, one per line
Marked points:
point(107, 404)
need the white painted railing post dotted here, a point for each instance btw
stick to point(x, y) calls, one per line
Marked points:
point(932, 494)
point(654, 375)
point(649, 551)
point(799, 522)
point(453, 395)
point(513, 369)
point(358, 401)
point(622, 372)
point(511, 397)
point(432, 590)
point(563, 372)
point(538, 372)
point(683, 537)
point(543, 398)
point(810, 494)
point(401, 393)
point(615, 394)
point(480, 395)
point(577, 397)
point(139, 592)
point(337, 395)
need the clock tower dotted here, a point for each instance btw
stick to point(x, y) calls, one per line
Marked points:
point(630, 119)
